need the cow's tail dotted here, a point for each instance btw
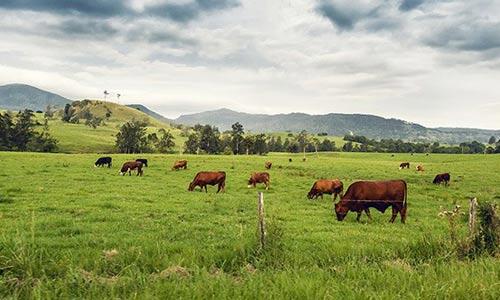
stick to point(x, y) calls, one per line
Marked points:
point(404, 209)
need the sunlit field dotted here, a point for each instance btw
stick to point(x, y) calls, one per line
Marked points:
point(69, 230)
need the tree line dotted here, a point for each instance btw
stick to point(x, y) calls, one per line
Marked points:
point(364, 144)
point(19, 132)
point(207, 139)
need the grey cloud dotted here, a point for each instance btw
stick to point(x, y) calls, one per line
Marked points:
point(407, 5)
point(187, 11)
point(81, 28)
point(338, 16)
point(101, 8)
point(467, 36)
point(346, 15)
point(153, 35)
point(184, 12)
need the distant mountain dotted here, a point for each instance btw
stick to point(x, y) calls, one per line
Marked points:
point(149, 112)
point(336, 124)
point(22, 96)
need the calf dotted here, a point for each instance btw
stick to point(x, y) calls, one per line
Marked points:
point(180, 164)
point(420, 168)
point(404, 165)
point(259, 178)
point(106, 160)
point(332, 187)
point(440, 178)
point(202, 179)
point(362, 195)
point(129, 166)
point(268, 165)
point(143, 161)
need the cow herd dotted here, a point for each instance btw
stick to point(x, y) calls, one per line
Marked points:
point(359, 197)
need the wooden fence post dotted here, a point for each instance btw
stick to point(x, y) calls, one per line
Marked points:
point(472, 216)
point(262, 224)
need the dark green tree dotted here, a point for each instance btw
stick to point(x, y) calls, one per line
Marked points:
point(237, 133)
point(132, 137)
point(166, 142)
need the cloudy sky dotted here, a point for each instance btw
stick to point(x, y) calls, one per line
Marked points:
point(434, 62)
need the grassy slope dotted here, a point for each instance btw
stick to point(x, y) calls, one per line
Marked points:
point(79, 138)
point(176, 244)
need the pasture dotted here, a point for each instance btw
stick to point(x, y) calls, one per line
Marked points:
point(69, 230)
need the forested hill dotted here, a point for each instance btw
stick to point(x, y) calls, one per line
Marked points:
point(337, 125)
point(22, 96)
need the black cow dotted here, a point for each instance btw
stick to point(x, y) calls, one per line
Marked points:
point(106, 160)
point(442, 178)
point(143, 161)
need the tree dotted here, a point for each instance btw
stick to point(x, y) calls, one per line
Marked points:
point(68, 113)
point(132, 137)
point(492, 140)
point(237, 133)
point(302, 139)
point(209, 139)
point(248, 143)
point(348, 147)
point(327, 146)
point(260, 146)
point(192, 144)
point(18, 133)
point(23, 130)
point(166, 142)
point(6, 125)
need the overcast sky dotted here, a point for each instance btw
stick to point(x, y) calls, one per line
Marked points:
point(434, 62)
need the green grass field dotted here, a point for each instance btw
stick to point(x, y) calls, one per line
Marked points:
point(69, 230)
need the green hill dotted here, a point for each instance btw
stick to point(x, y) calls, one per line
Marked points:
point(80, 138)
point(22, 96)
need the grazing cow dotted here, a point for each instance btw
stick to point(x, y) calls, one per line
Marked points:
point(259, 178)
point(362, 195)
point(404, 165)
point(143, 161)
point(180, 164)
point(202, 179)
point(420, 168)
point(440, 178)
point(106, 160)
point(289, 160)
point(332, 187)
point(268, 165)
point(304, 159)
point(129, 166)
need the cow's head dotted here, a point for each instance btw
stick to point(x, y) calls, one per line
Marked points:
point(341, 211)
point(250, 182)
point(191, 186)
point(311, 194)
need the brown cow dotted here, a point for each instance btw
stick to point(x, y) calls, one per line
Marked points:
point(259, 178)
point(362, 195)
point(268, 165)
point(404, 165)
point(129, 166)
point(332, 187)
point(180, 164)
point(420, 168)
point(202, 179)
point(440, 178)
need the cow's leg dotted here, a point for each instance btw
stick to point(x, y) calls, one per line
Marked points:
point(129, 172)
point(206, 190)
point(359, 215)
point(394, 214)
point(367, 211)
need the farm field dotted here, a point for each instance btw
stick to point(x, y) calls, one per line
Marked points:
point(69, 230)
